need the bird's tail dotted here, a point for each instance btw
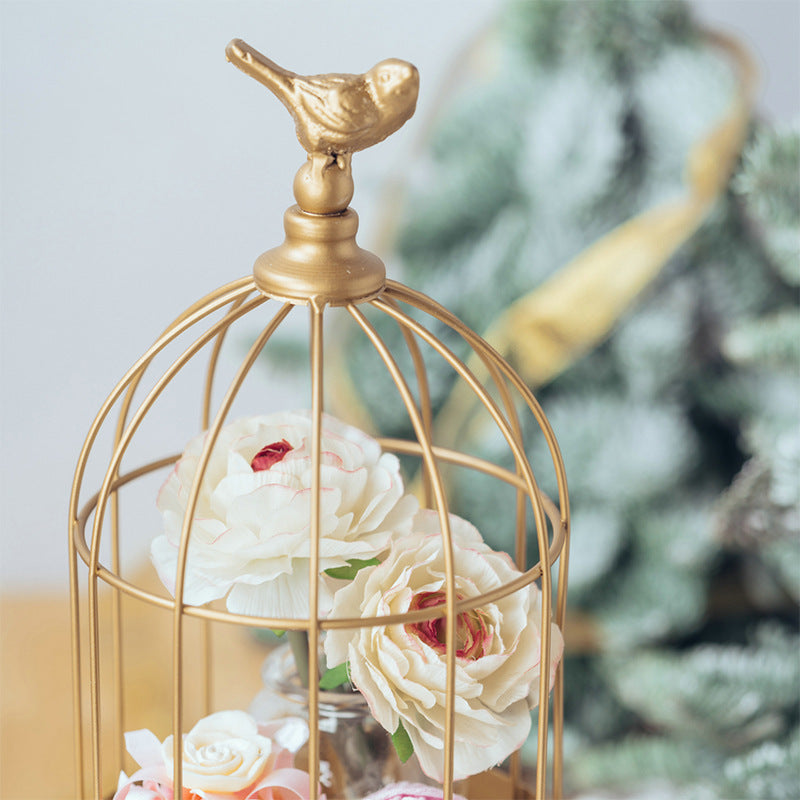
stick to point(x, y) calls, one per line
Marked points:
point(277, 79)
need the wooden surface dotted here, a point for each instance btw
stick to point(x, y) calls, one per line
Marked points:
point(36, 718)
point(36, 740)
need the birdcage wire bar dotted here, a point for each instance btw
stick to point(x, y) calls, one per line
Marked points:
point(235, 295)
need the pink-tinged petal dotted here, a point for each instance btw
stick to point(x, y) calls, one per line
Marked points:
point(151, 790)
point(406, 790)
point(289, 733)
point(156, 784)
point(123, 787)
point(294, 784)
point(497, 647)
point(251, 526)
point(467, 535)
point(199, 588)
point(144, 747)
point(286, 596)
point(351, 483)
point(153, 776)
point(134, 792)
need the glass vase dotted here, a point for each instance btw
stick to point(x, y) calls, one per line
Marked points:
point(356, 754)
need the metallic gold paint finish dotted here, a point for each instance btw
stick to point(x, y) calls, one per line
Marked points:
point(318, 264)
point(336, 116)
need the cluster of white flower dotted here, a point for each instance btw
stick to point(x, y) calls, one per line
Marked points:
point(249, 540)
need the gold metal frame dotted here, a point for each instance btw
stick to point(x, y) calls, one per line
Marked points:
point(231, 303)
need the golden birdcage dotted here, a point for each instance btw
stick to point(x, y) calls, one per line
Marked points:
point(319, 266)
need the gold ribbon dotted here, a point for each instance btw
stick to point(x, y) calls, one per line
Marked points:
point(547, 329)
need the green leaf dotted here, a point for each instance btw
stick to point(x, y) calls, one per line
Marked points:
point(278, 632)
point(335, 677)
point(349, 572)
point(402, 743)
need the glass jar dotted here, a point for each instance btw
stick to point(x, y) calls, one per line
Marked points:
point(356, 754)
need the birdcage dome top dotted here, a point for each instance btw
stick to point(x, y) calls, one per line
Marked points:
point(335, 481)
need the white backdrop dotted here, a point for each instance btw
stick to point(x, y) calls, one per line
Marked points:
point(140, 171)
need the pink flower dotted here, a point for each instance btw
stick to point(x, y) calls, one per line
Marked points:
point(149, 790)
point(409, 791)
point(226, 756)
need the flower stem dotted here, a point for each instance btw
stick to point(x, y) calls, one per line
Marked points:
point(298, 641)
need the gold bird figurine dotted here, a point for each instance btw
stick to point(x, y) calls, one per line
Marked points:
point(336, 115)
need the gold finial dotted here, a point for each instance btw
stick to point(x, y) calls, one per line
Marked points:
point(335, 116)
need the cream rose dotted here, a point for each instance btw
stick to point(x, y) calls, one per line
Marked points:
point(250, 532)
point(226, 756)
point(401, 669)
point(223, 753)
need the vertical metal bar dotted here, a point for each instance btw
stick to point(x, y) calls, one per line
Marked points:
point(558, 689)
point(94, 681)
point(77, 695)
point(447, 540)
point(116, 611)
point(116, 634)
point(317, 379)
point(206, 632)
point(482, 348)
point(423, 303)
point(183, 550)
point(207, 652)
point(201, 309)
point(520, 532)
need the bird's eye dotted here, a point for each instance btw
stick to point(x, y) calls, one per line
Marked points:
point(385, 77)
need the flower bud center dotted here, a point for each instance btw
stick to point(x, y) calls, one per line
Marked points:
point(269, 455)
point(472, 634)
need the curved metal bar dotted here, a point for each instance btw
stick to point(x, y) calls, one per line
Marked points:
point(219, 298)
point(145, 407)
point(127, 400)
point(424, 303)
point(533, 493)
point(422, 615)
point(212, 368)
point(188, 518)
point(464, 372)
point(424, 397)
point(206, 634)
point(520, 532)
point(447, 540)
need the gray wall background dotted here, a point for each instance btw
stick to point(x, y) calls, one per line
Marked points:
point(140, 171)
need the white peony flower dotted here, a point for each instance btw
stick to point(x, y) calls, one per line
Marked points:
point(401, 669)
point(250, 533)
point(223, 753)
